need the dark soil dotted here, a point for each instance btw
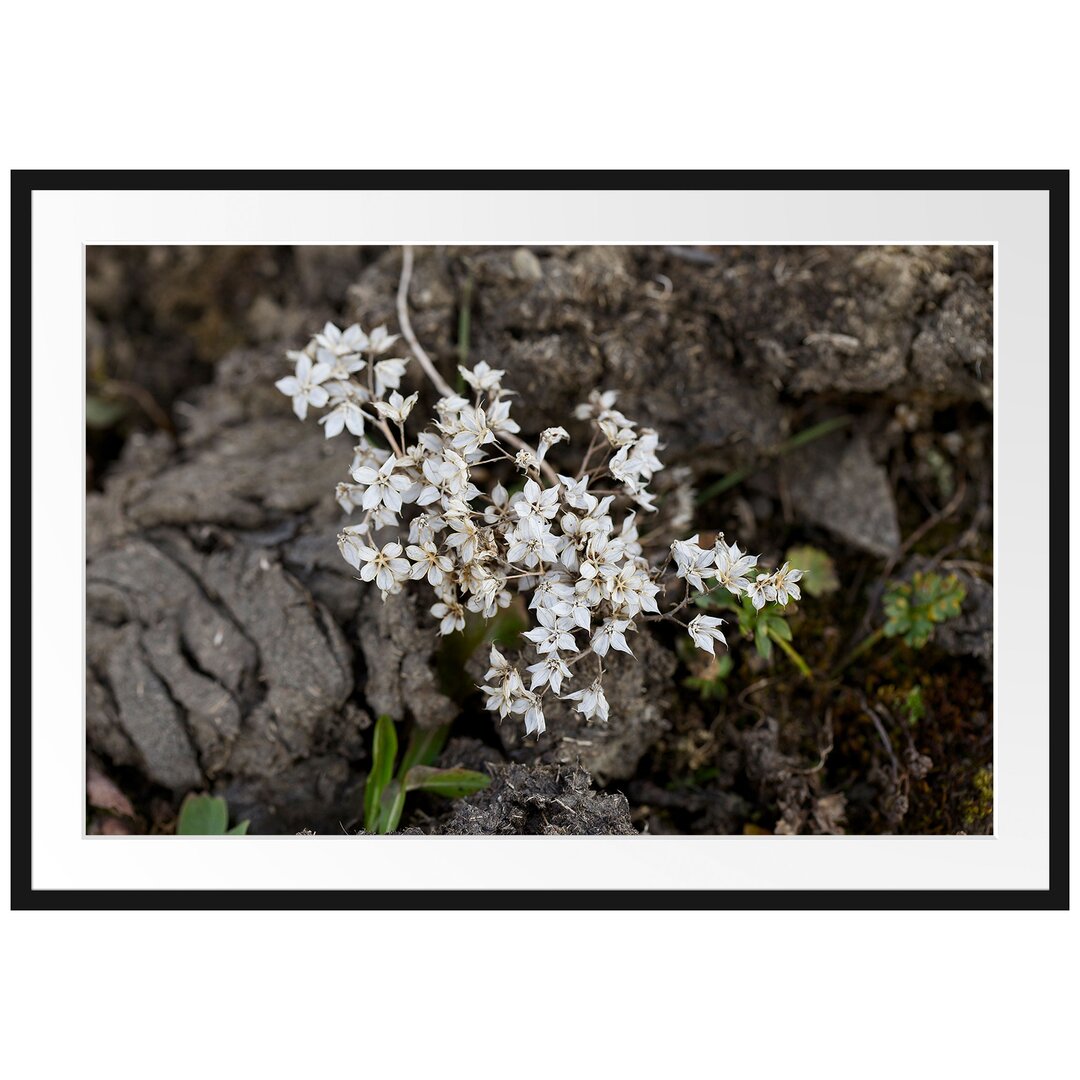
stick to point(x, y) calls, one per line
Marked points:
point(231, 649)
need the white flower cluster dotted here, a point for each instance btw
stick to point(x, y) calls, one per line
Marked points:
point(569, 543)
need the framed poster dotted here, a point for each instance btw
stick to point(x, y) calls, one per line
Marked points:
point(598, 539)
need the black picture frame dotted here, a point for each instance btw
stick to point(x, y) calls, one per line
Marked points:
point(24, 897)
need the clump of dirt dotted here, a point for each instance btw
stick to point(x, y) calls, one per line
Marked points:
point(547, 800)
point(837, 397)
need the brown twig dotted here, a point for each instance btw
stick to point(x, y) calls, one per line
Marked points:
point(429, 368)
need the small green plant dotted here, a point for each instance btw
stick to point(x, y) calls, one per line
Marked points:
point(207, 815)
point(912, 610)
point(913, 706)
point(766, 626)
point(385, 790)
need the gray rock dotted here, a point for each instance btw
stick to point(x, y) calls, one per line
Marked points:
point(149, 717)
point(835, 483)
point(399, 652)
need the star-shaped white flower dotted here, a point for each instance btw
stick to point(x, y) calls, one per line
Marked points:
point(551, 670)
point(388, 375)
point(482, 378)
point(304, 387)
point(384, 487)
point(762, 591)
point(691, 560)
point(703, 630)
point(552, 634)
point(611, 635)
point(384, 566)
point(397, 408)
point(591, 702)
point(784, 582)
point(733, 567)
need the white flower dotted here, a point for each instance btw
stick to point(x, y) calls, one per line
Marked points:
point(534, 718)
point(628, 588)
point(762, 591)
point(536, 503)
point(575, 492)
point(340, 349)
point(452, 615)
point(526, 460)
point(388, 374)
point(379, 340)
point(383, 487)
point(600, 558)
point(551, 670)
point(303, 387)
point(552, 634)
point(532, 543)
point(384, 566)
point(508, 695)
point(398, 408)
point(611, 635)
point(690, 560)
point(591, 702)
point(429, 563)
point(346, 414)
point(499, 668)
point(548, 438)
point(733, 566)
point(424, 527)
point(499, 513)
point(473, 431)
point(597, 405)
point(498, 417)
point(464, 536)
point(349, 497)
point(572, 605)
point(482, 378)
point(702, 629)
point(784, 583)
point(488, 595)
point(366, 454)
point(557, 548)
point(449, 407)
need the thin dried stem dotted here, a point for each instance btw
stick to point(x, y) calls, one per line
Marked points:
point(428, 367)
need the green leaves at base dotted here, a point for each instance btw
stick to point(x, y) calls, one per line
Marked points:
point(450, 783)
point(383, 752)
point(206, 815)
point(384, 793)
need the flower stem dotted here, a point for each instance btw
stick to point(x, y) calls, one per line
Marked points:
point(793, 655)
point(867, 642)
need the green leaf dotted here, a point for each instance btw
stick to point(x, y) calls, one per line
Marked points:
point(819, 571)
point(779, 626)
point(390, 808)
point(450, 783)
point(424, 747)
point(762, 641)
point(383, 752)
point(203, 815)
point(239, 830)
